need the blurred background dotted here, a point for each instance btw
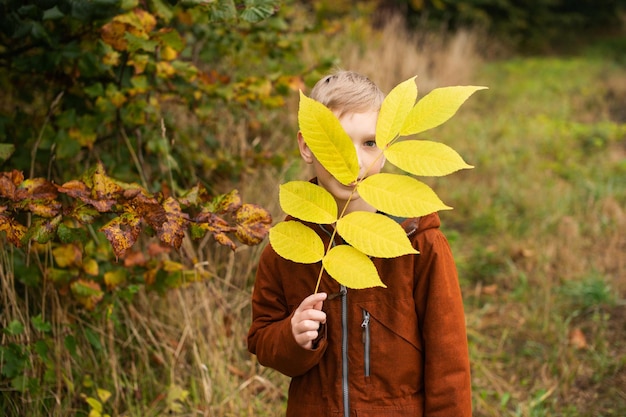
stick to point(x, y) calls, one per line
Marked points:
point(170, 94)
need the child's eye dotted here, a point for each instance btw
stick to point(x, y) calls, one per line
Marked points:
point(370, 143)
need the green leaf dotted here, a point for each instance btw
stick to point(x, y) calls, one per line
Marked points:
point(94, 90)
point(351, 268)
point(326, 138)
point(308, 202)
point(374, 234)
point(257, 10)
point(394, 110)
point(61, 277)
point(93, 339)
point(172, 39)
point(14, 328)
point(136, 43)
point(400, 195)
point(425, 158)
point(6, 150)
point(436, 108)
point(163, 10)
point(42, 349)
point(71, 234)
point(218, 11)
point(40, 324)
point(70, 344)
point(294, 241)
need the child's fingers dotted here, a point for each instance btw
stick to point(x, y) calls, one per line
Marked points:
point(307, 318)
point(311, 309)
point(313, 301)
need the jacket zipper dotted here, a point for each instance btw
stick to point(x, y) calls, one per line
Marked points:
point(344, 351)
point(343, 293)
point(366, 342)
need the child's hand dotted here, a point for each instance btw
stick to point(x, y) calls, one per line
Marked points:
point(307, 319)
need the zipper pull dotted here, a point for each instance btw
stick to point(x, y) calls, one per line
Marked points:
point(343, 291)
point(366, 319)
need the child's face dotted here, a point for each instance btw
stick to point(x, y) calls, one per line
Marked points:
point(361, 127)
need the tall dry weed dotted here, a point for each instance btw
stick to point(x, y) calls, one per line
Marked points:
point(395, 54)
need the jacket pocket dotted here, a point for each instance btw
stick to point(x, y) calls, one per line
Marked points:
point(392, 347)
point(365, 324)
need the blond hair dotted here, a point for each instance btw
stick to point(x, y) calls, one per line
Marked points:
point(346, 92)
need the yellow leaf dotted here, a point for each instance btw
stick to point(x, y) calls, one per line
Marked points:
point(94, 404)
point(172, 266)
point(114, 278)
point(436, 108)
point(351, 268)
point(326, 138)
point(309, 202)
point(168, 53)
point(400, 195)
point(90, 266)
point(103, 394)
point(67, 255)
point(426, 158)
point(83, 137)
point(374, 234)
point(394, 111)
point(165, 70)
point(294, 241)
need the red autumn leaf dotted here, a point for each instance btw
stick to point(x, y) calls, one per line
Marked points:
point(97, 189)
point(87, 292)
point(44, 208)
point(83, 213)
point(194, 197)
point(172, 230)
point(155, 249)
point(122, 232)
point(104, 187)
point(228, 203)
point(9, 181)
point(14, 230)
point(212, 222)
point(79, 190)
point(44, 230)
point(148, 208)
point(253, 224)
point(134, 259)
point(37, 189)
point(113, 34)
point(577, 339)
point(223, 239)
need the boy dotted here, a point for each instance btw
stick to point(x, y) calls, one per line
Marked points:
point(395, 351)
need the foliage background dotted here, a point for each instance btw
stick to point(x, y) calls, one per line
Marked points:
point(537, 230)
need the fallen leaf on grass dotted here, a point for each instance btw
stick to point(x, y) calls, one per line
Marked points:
point(577, 339)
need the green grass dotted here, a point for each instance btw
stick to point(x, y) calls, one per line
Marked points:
point(538, 234)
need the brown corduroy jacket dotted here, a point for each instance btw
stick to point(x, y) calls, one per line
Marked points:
point(395, 351)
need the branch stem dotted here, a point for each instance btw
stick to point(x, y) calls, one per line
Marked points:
point(343, 211)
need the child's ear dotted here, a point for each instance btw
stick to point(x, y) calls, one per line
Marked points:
point(305, 151)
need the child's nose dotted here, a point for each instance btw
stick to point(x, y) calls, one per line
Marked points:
point(360, 159)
